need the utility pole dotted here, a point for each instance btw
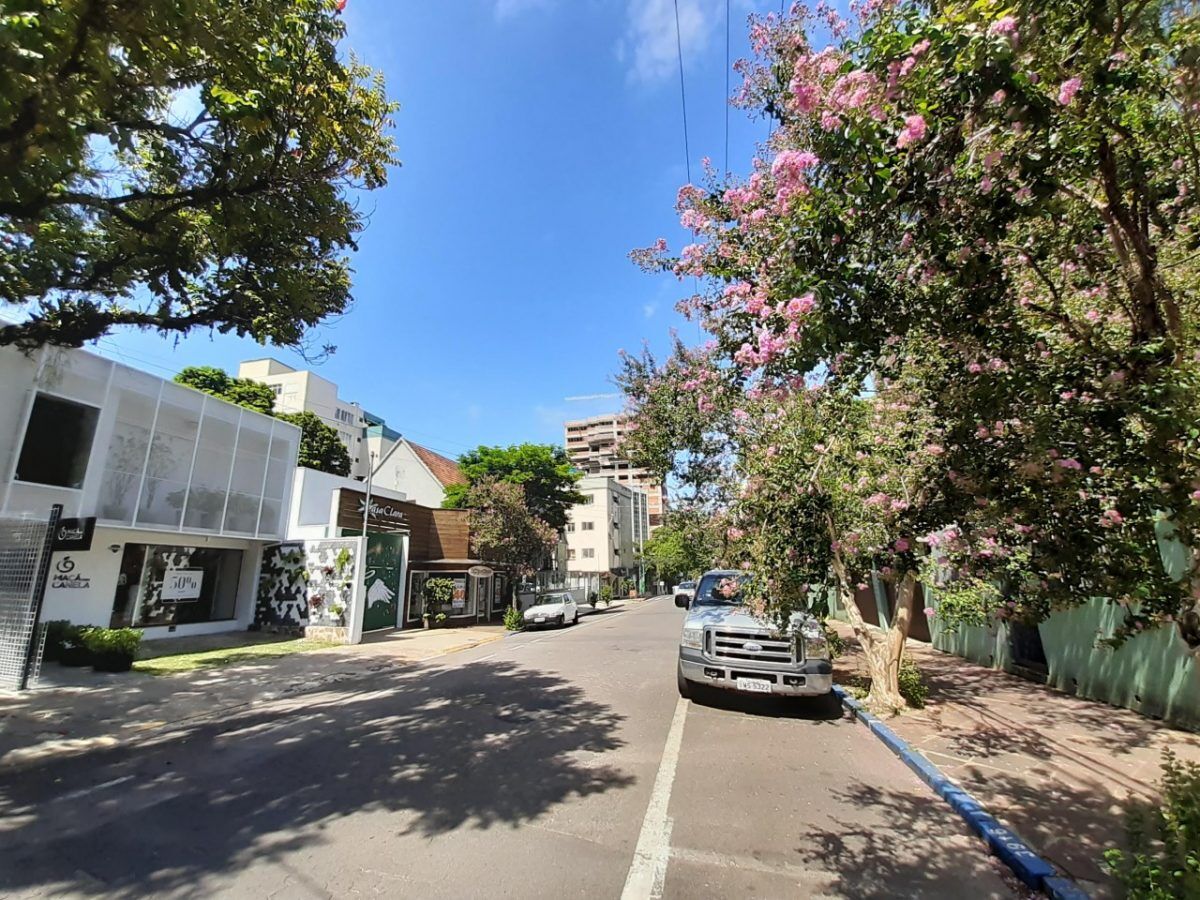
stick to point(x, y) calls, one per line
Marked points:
point(367, 502)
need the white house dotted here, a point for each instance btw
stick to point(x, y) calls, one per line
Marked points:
point(417, 472)
point(177, 491)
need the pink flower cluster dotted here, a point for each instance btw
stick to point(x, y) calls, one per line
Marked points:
point(1067, 91)
point(912, 133)
point(790, 170)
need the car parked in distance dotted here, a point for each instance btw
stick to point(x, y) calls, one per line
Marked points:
point(685, 587)
point(558, 608)
point(724, 645)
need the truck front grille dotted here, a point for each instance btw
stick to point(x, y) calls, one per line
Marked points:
point(765, 648)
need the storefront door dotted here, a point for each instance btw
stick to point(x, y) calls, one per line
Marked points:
point(382, 587)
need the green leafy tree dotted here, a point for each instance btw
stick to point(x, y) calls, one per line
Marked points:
point(243, 391)
point(180, 165)
point(505, 530)
point(685, 545)
point(543, 471)
point(320, 446)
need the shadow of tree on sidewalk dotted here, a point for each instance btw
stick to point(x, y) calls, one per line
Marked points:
point(439, 750)
point(907, 844)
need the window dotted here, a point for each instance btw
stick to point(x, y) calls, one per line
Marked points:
point(587, 498)
point(587, 526)
point(276, 388)
point(344, 415)
point(570, 554)
point(164, 585)
point(570, 526)
point(58, 442)
point(588, 553)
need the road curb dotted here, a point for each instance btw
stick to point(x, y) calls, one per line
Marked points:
point(1027, 865)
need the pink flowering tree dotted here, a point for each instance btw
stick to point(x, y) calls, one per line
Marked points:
point(995, 208)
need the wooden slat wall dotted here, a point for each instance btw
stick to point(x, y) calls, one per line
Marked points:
point(433, 533)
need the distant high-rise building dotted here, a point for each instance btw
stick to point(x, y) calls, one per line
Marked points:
point(594, 446)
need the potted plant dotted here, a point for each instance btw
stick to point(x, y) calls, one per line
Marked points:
point(56, 634)
point(74, 650)
point(113, 649)
point(436, 593)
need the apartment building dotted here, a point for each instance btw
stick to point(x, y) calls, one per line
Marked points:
point(605, 533)
point(298, 390)
point(594, 447)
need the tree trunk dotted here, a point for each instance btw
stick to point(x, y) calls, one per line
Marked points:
point(883, 648)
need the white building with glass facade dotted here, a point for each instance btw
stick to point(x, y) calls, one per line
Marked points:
point(185, 490)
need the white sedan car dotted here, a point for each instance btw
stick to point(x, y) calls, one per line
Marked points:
point(552, 609)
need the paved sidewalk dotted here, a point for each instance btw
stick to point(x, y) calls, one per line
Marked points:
point(74, 711)
point(1058, 770)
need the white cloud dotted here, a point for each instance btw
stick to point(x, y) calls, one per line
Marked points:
point(649, 45)
point(507, 9)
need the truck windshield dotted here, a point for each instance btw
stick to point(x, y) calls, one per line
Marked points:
point(720, 590)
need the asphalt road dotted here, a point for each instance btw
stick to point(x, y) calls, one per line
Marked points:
point(553, 764)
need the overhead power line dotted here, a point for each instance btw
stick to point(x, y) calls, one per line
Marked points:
point(687, 150)
point(726, 104)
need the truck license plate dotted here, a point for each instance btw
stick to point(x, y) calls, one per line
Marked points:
point(754, 685)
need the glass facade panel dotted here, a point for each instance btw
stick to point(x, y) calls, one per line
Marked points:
point(134, 397)
point(171, 449)
point(210, 474)
point(249, 467)
point(80, 376)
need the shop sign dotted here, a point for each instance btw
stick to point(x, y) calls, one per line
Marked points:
point(65, 577)
point(74, 534)
point(385, 514)
point(458, 600)
point(480, 572)
point(182, 584)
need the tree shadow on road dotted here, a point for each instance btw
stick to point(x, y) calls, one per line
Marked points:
point(495, 745)
point(904, 844)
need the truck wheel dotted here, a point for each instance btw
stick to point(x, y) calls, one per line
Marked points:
point(685, 686)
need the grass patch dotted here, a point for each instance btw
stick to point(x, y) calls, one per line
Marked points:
point(227, 656)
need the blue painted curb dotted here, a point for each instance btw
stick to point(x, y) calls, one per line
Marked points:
point(1003, 842)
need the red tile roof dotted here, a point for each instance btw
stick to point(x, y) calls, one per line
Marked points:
point(444, 470)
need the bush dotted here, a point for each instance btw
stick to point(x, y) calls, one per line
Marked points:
point(57, 632)
point(74, 650)
point(513, 620)
point(1163, 859)
point(112, 649)
point(912, 684)
point(606, 594)
point(437, 593)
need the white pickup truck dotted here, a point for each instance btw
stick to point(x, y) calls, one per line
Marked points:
point(724, 646)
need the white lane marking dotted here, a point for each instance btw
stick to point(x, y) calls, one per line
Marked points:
point(648, 871)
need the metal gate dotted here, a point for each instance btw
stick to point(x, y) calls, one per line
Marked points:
point(25, 546)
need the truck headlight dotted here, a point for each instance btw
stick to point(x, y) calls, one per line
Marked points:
point(693, 638)
point(812, 630)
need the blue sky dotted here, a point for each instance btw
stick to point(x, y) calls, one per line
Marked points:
point(541, 141)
